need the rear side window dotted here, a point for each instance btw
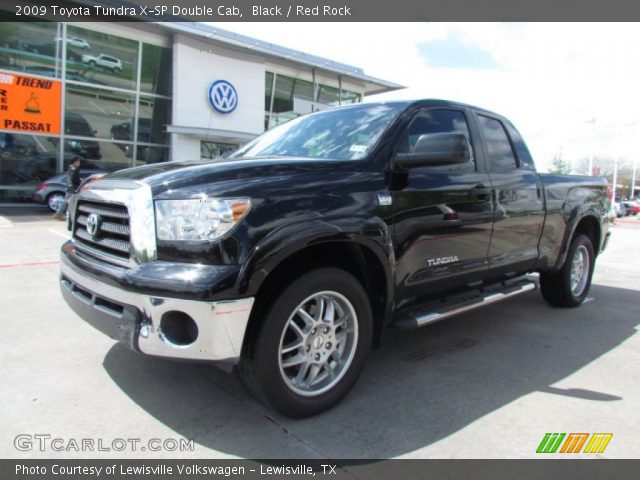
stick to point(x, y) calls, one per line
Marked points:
point(501, 156)
point(524, 157)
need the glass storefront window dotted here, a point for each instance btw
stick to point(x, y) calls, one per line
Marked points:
point(283, 94)
point(348, 97)
point(99, 117)
point(25, 161)
point(33, 48)
point(100, 155)
point(95, 112)
point(155, 74)
point(268, 90)
point(150, 154)
point(101, 58)
point(303, 89)
point(154, 115)
point(19, 154)
point(216, 150)
point(293, 97)
point(328, 95)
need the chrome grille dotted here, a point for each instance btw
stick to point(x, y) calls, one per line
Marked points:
point(111, 241)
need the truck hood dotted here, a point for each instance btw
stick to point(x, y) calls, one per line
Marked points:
point(178, 175)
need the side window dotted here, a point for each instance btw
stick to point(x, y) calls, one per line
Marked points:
point(524, 157)
point(501, 156)
point(438, 120)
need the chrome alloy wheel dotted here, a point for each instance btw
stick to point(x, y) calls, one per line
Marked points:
point(580, 266)
point(318, 343)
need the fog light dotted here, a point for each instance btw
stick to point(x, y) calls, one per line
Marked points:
point(178, 328)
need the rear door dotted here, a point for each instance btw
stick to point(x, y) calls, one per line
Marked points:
point(442, 215)
point(518, 202)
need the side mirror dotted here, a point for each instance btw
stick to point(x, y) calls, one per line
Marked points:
point(435, 149)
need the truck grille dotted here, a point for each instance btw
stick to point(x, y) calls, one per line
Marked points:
point(102, 230)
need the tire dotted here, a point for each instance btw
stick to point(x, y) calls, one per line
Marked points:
point(54, 200)
point(330, 354)
point(570, 286)
point(92, 63)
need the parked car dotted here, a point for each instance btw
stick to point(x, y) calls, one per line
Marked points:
point(79, 43)
point(50, 50)
point(124, 131)
point(41, 166)
point(79, 77)
point(51, 192)
point(76, 124)
point(620, 209)
point(632, 207)
point(288, 260)
point(104, 61)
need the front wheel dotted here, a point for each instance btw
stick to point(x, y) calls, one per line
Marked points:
point(570, 286)
point(311, 345)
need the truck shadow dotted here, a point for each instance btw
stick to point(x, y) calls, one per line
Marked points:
point(420, 387)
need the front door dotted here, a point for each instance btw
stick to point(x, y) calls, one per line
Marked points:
point(442, 216)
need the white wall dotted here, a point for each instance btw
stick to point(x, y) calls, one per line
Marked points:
point(184, 148)
point(196, 65)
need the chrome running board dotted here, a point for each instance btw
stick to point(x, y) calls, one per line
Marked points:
point(436, 311)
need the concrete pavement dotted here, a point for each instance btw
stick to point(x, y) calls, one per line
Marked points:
point(487, 384)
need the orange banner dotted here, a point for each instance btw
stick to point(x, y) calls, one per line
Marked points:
point(29, 104)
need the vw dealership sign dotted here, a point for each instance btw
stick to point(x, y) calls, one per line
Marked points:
point(223, 96)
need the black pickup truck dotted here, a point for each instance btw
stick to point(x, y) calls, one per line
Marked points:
point(287, 260)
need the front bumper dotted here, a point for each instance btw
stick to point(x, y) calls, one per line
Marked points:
point(136, 319)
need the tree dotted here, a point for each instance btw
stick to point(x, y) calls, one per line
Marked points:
point(560, 166)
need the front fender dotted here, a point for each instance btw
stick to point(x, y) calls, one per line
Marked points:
point(373, 234)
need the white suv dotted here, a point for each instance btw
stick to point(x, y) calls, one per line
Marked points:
point(104, 61)
point(76, 42)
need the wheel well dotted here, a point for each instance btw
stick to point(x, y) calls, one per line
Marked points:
point(589, 226)
point(356, 259)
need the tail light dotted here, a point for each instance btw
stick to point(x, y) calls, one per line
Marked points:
point(41, 186)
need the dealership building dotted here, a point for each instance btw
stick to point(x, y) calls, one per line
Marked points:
point(125, 94)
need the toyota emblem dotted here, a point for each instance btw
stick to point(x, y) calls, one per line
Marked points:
point(223, 96)
point(93, 224)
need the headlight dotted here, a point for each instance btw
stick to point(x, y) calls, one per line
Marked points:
point(198, 220)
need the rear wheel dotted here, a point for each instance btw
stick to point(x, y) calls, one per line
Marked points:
point(570, 286)
point(311, 345)
point(54, 200)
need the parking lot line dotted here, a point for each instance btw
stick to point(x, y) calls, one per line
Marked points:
point(29, 264)
point(66, 237)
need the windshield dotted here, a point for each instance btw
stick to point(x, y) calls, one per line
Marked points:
point(339, 134)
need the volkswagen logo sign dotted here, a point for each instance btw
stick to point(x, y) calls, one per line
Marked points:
point(93, 224)
point(223, 96)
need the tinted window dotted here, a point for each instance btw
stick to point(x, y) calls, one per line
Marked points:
point(436, 121)
point(499, 149)
point(524, 157)
point(341, 134)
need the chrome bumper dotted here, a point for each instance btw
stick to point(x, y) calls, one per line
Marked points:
point(221, 325)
